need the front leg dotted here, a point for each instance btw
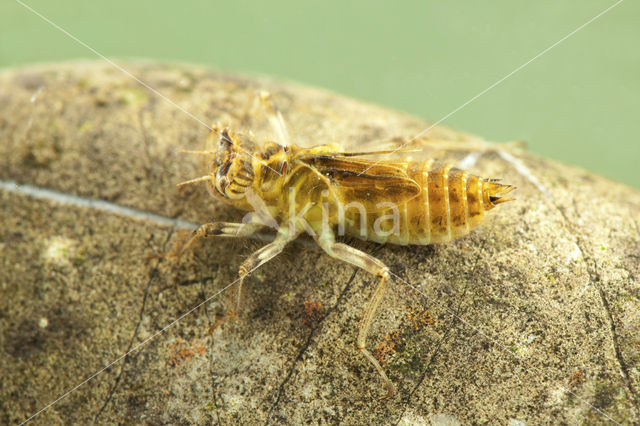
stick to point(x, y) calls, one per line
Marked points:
point(275, 118)
point(381, 271)
point(220, 229)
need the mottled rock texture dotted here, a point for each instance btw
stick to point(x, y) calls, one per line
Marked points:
point(535, 317)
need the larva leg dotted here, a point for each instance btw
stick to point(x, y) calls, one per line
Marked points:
point(472, 145)
point(380, 270)
point(220, 229)
point(261, 257)
point(275, 118)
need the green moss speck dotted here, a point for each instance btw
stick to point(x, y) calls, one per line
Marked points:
point(132, 97)
point(85, 126)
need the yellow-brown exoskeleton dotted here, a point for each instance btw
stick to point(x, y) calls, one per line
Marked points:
point(324, 192)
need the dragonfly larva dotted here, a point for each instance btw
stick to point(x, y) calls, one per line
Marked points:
point(324, 191)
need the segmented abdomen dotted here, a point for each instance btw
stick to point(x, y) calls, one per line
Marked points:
point(451, 203)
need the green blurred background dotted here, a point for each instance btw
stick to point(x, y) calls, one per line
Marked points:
point(579, 102)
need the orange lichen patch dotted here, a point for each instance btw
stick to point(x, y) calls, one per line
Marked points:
point(312, 307)
point(420, 318)
point(184, 351)
point(312, 311)
point(577, 378)
point(388, 346)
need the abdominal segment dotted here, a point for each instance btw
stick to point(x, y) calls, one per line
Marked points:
point(450, 204)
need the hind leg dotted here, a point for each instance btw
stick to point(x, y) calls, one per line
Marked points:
point(381, 271)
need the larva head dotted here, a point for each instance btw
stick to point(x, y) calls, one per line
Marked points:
point(232, 166)
point(237, 164)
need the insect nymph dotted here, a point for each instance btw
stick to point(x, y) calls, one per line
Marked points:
point(324, 192)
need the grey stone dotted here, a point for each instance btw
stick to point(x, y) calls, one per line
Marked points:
point(535, 316)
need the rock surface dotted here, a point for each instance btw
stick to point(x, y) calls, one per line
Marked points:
point(533, 318)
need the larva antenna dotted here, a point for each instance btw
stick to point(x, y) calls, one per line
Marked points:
point(189, 151)
point(196, 180)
